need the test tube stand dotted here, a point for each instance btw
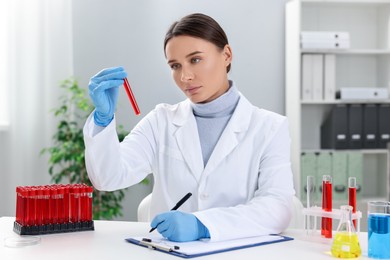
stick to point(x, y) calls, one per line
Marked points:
point(53, 228)
point(315, 212)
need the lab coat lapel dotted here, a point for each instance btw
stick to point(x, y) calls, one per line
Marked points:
point(187, 139)
point(231, 136)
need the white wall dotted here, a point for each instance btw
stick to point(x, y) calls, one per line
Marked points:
point(130, 33)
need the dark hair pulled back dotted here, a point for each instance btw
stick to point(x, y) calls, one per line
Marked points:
point(200, 26)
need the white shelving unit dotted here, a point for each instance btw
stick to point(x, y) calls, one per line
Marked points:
point(365, 64)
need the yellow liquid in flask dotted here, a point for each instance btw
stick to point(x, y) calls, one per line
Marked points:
point(346, 245)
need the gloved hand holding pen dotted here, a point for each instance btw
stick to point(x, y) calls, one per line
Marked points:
point(103, 90)
point(179, 226)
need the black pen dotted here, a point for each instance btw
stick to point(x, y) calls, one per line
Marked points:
point(184, 199)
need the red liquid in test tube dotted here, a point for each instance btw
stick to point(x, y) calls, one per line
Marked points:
point(60, 203)
point(39, 206)
point(74, 204)
point(83, 203)
point(326, 223)
point(89, 204)
point(24, 206)
point(53, 206)
point(30, 220)
point(131, 96)
point(18, 204)
point(66, 203)
point(352, 196)
point(46, 205)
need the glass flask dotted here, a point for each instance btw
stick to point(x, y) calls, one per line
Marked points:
point(346, 242)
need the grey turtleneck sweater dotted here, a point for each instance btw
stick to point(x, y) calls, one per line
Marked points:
point(212, 119)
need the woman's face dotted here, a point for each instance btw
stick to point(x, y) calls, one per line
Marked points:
point(198, 67)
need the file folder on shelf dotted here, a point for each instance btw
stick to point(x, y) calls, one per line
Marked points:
point(364, 93)
point(324, 35)
point(334, 131)
point(329, 77)
point(342, 45)
point(312, 77)
point(383, 125)
point(340, 180)
point(370, 131)
point(203, 247)
point(307, 75)
point(318, 75)
point(355, 126)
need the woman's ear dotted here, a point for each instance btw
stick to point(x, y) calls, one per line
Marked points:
point(228, 55)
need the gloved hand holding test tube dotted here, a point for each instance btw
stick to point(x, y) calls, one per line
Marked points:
point(104, 89)
point(131, 97)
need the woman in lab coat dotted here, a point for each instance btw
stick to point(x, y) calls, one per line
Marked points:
point(232, 156)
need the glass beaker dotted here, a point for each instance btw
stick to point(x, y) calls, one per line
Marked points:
point(346, 242)
point(379, 229)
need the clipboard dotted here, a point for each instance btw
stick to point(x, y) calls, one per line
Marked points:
point(204, 247)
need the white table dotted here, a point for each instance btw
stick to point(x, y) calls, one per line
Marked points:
point(107, 242)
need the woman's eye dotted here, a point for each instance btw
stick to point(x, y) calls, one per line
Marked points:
point(195, 60)
point(175, 66)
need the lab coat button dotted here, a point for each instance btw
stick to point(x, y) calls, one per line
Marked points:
point(204, 196)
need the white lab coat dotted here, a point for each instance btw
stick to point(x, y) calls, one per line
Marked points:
point(245, 189)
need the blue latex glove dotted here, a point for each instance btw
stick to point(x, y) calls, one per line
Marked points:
point(179, 226)
point(103, 90)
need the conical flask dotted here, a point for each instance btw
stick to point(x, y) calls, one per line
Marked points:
point(346, 242)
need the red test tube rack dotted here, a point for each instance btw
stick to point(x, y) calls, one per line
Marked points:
point(53, 208)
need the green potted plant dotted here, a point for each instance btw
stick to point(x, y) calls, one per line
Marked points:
point(66, 156)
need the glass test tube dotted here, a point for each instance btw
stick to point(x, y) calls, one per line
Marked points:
point(74, 203)
point(326, 223)
point(83, 203)
point(30, 220)
point(131, 96)
point(66, 203)
point(310, 191)
point(46, 203)
point(53, 205)
point(60, 204)
point(18, 204)
point(39, 206)
point(89, 205)
point(352, 196)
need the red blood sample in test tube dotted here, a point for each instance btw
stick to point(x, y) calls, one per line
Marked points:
point(66, 203)
point(352, 196)
point(326, 223)
point(24, 193)
point(60, 204)
point(74, 203)
point(53, 206)
point(89, 205)
point(31, 207)
point(83, 197)
point(86, 203)
point(18, 204)
point(131, 96)
point(39, 206)
point(46, 205)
